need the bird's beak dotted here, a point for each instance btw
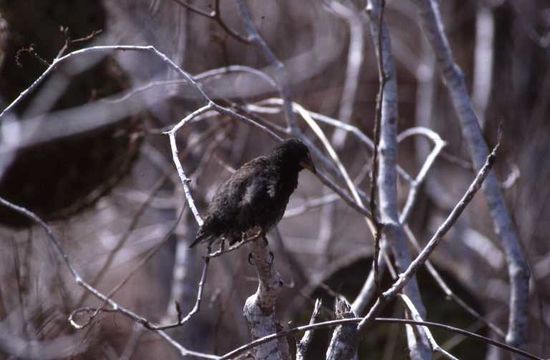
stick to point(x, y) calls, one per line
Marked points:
point(308, 164)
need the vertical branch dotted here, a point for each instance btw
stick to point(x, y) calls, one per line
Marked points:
point(345, 338)
point(376, 137)
point(303, 345)
point(386, 181)
point(259, 309)
point(423, 256)
point(518, 270)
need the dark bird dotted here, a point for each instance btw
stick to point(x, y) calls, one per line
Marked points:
point(256, 195)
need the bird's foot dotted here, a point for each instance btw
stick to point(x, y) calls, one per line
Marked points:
point(251, 259)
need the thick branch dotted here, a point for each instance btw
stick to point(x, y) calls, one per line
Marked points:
point(518, 270)
point(303, 345)
point(392, 230)
point(259, 309)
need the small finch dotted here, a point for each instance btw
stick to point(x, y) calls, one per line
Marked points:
point(256, 195)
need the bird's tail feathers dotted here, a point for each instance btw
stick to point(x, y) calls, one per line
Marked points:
point(200, 236)
point(203, 235)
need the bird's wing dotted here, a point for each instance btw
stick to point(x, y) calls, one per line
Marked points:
point(259, 185)
point(258, 188)
point(236, 190)
point(240, 200)
point(205, 231)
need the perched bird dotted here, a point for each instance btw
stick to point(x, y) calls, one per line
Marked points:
point(256, 195)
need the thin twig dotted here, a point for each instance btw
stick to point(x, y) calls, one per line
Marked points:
point(114, 306)
point(439, 144)
point(332, 153)
point(124, 238)
point(433, 243)
point(216, 16)
point(196, 307)
point(282, 77)
point(416, 316)
point(148, 256)
point(449, 294)
point(310, 204)
point(518, 269)
point(234, 353)
point(106, 49)
point(359, 135)
point(234, 247)
point(173, 145)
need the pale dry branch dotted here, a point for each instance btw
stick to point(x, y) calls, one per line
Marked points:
point(309, 204)
point(421, 258)
point(259, 309)
point(518, 270)
point(358, 134)
point(113, 306)
point(304, 343)
point(334, 157)
point(345, 337)
point(355, 20)
point(332, 323)
point(124, 238)
point(390, 228)
point(439, 144)
point(449, 294)
point(416, 316)
point(281, 74)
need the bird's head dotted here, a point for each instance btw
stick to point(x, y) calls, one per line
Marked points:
point(294, 151)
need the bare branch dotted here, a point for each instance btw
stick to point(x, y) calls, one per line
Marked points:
point(173, 145)
point(234, 353)
point(354, 18)
point(416, 316)
point(449, 294)
point(114, 306)
point(259, 309)
point(405, 276)
point(304, 343)
point(216, 16)
point(518, 270)
point(345, 338)
point(386, 180)
point(439, 144)
point(282, 77)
